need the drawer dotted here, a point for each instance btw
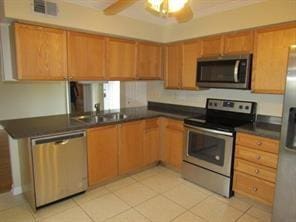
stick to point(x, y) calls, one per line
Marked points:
point(258, 189)
point(257, 156)
point(151, 123)
point(256, 170)
point(257, 142)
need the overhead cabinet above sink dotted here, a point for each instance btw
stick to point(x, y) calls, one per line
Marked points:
point(55, 54)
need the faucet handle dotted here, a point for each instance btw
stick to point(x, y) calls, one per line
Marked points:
point(97, 107)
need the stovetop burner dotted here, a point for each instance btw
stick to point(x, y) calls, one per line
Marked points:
point(225, 115)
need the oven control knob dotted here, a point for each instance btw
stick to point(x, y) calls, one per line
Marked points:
point(217, 157)
point(215, 104)
point(247, 107)
point(210, 104)
point(240, 107)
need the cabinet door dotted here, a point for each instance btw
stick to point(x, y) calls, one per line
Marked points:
point(151, 142)
point(41, 53)
point(121, 59)
point(271, 57)
point(149, 59)
point(212, 46)
point(173, 144)
point(238, 43)
point(102, 145)
point(131, 146)
point(173, 66)
point(191, 51)
point(86, 56)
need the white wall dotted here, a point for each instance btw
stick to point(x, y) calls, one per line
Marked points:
point(267, 104)
point(133, 93)
point(18, 100)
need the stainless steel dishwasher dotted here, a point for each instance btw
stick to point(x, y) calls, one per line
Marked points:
point(59, 166)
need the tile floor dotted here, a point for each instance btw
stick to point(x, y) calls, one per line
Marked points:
point(157, 194)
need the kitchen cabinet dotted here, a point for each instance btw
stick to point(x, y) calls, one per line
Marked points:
point(149, 60)
point(191, 52)
point(41, 53)
point(173, 136)
point(152, 145)
point(102, 146)
point(120, 59)
point(131, 140)
point(255, 167)
point(237, 43)
point(86, 56)
point(271, 57)
point(173, 65)
point(212, 46)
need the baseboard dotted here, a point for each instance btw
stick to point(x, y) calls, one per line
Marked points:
point(16, 190)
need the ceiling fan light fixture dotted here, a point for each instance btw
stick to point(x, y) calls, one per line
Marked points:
point(166, 7)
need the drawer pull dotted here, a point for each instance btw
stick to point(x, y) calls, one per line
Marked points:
point(258, 157)
point(259, 143)
point(255, 189)
point(257, 171)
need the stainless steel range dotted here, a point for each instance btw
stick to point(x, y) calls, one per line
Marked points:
point(209, 147)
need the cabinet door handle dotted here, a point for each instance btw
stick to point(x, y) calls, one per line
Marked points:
point(259, 143)
point(255, 189)
point(258, 157)
point(257, 171)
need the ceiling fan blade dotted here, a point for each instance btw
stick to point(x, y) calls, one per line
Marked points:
point(118, 6)
point(184, 15)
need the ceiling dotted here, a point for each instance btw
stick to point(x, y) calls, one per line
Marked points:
point(137, 11)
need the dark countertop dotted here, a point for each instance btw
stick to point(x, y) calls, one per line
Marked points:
point(45, 125)
point(268, 130)
point(40, 126)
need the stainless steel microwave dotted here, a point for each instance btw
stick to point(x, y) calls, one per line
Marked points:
point(225, 72)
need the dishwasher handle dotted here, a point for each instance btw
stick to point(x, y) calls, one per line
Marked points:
point(60, 139)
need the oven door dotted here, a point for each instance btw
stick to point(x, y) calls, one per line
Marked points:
point(210, 149)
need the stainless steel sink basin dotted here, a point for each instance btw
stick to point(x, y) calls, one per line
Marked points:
point(110, 117)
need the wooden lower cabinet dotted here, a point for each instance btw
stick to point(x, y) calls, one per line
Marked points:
point(152, 144)
point(173, 136)
point(131, 140)
point(102, 144)
point(255, 167)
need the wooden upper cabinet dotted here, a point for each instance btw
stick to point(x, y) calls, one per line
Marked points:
point(238, 43)
point(41, 53)
point(270, 58)
point(173, 65)
point(120, 59)
point(86, 56)
point(191, 52)
point(131, 146)
point(149, 60)
point(102, 151)
point(212, 46)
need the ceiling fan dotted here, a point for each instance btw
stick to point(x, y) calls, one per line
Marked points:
point(179, 9)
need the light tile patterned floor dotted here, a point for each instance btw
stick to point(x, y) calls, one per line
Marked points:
point(157, 195)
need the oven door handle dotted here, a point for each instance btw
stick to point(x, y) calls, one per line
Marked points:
point(209, 130)
point(235, 73)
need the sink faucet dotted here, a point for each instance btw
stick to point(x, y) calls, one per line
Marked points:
point(97, 107)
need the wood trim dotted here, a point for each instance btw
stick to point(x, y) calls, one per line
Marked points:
point(5, 168)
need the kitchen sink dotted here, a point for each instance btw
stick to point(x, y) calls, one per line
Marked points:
point(110, 117)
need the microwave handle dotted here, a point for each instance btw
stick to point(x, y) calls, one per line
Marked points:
point(235, 73)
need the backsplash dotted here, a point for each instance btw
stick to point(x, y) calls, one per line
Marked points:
point(267, 104)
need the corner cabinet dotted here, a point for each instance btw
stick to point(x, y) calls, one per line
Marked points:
point(151, 142)
point(131, 140)
point(41, 53)
point(102, 146)
point(86, 56)
point(120, 59)
point(149, 61)
point(270, 58)
point(173, 133)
